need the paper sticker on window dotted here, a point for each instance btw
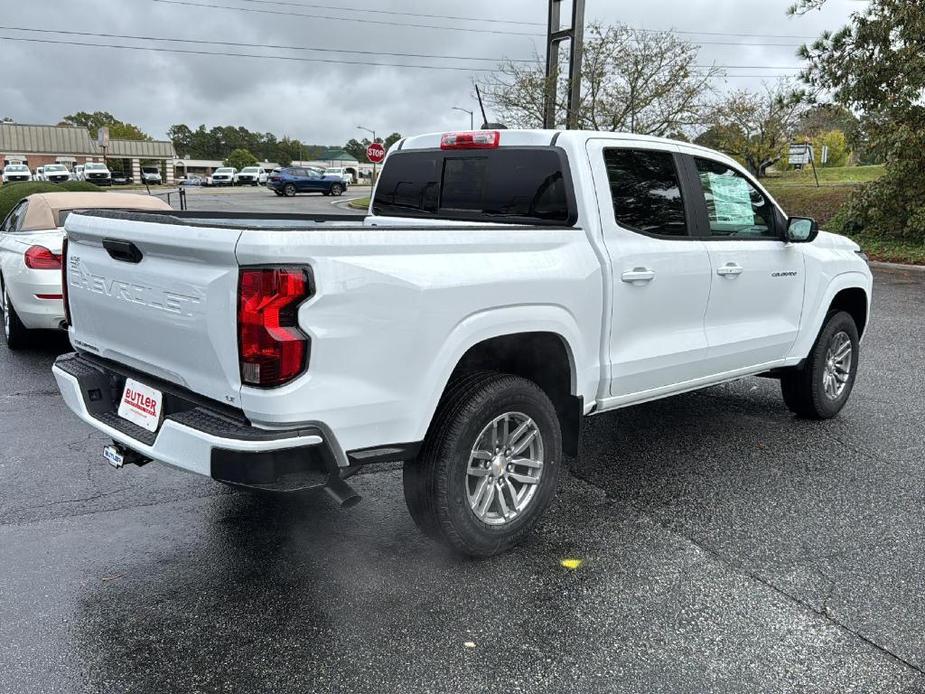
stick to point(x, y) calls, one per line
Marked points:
point(728, 199)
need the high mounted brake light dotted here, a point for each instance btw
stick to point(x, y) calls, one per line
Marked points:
point(475, 139)
point(272, 350)
point(40, 258)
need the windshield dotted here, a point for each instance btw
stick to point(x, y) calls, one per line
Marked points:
point(15, 167)
point(94, 167)
point(334, 171)
point(250, 170)
point(518, 185)
point(55, 167)
point(224, 170)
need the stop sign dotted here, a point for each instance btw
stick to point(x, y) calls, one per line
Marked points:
point(375, 153)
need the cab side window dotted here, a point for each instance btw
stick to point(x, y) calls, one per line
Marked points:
point(736, 209)
point(646, 191)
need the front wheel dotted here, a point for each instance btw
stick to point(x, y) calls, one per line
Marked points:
point(820, 389)
point(337, 189)
point(16, 334)
point(489, 466)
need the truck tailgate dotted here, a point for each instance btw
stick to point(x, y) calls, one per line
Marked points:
point(159, 298)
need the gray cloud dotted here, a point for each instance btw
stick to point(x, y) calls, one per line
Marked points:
point(323, 102)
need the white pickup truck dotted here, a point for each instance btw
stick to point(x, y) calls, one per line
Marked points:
point(504, 285)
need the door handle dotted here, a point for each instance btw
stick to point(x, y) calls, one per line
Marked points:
point(729, 270)
point(638, 274)
point(125, 251)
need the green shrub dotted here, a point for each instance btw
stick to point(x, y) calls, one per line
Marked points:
point(12, 193)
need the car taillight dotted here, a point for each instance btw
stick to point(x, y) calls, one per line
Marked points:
point(40, 258)
point(272, 349)
point(476, 139)
point(67, 309)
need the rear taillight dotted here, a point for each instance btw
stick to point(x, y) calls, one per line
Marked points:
point(476, 139)
point(67, 309)
point(40, 258)
point(272, 349)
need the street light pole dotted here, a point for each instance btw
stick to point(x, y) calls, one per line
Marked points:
point(471, 116)
point(373, 181)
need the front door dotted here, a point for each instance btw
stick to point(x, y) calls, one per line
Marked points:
point(756, 298)
point(661, 275)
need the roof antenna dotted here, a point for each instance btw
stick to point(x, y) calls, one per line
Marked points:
point(485, 124)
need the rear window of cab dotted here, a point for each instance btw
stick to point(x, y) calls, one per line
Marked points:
point(522, 185)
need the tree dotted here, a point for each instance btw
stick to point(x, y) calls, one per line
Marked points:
point(240, 158)
point(837, 143)
point(118, 129)
point(756, 128)
point(876, 66)
point(639, 81)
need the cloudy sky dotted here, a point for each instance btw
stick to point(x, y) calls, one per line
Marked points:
point(323, 102)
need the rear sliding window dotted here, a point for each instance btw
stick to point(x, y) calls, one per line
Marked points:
point(516, 185)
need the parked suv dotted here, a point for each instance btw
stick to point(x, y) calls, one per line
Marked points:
point(151, 175)
point(97, 173)
point(505, 285)
point(223, 176)
point(297, 179)
point(13, 173)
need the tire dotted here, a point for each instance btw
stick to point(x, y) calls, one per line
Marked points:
point(289, 190)
point(337, 190)
point(439, 489)
point(16, 334)
point(820, 388)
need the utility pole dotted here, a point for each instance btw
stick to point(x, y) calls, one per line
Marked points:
point(555, 35)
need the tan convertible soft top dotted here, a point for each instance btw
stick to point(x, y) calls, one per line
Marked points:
point(43, 211)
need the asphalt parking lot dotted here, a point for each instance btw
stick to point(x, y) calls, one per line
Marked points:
point(260, 199)
point(726, 546)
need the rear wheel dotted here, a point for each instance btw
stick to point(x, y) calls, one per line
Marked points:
point(289, 190)
point(820, 389)
point(489, 466)
point(16, 334)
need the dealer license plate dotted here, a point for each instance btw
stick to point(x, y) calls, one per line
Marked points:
point(141, 405)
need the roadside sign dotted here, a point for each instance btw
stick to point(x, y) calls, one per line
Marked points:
point(102, 137)
point(801, 154)
point(375, 153)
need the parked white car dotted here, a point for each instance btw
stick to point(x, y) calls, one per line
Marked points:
point(505, 285)
point(55, 173)
point(30, 257)
point(151, 175)
point(13, 173)
point(97, 173)
point(345, 175)
point(223, 176)
point(249, 176)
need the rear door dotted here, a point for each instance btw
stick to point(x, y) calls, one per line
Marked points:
point(661, 274)
point(158, 297)
point(757, 279)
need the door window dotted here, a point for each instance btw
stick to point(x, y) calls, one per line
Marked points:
point(735, 207)
point(646, 191)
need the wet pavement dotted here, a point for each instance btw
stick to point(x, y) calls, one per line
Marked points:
point(726, 546)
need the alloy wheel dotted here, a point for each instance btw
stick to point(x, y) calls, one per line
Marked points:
point(504, 469)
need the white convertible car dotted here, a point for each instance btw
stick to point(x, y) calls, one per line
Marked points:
point(30, 256)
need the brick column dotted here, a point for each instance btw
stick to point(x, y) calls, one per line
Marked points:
point(136, 171)
point(168, 179)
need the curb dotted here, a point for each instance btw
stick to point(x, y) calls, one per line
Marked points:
point(895, 266)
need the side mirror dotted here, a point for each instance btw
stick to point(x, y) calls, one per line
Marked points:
point(802, 230)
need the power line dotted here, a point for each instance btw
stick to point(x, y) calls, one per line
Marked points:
point(288, 13)
point(253, 45)
point(483, 20)
point(347, 19)
point(289, 58)
point(181, 51)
